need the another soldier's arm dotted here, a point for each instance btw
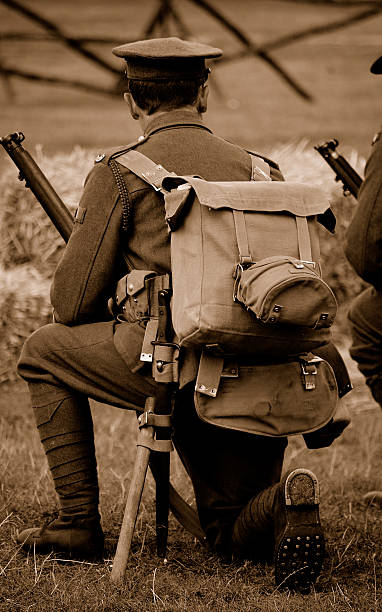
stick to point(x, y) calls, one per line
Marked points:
point(363, 246)
point(85, 277)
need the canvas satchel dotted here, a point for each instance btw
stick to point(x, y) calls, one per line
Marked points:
point(279, 399)
point(221, 234)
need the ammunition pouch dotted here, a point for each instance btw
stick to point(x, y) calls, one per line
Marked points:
point(136, 297)
point(137, 300)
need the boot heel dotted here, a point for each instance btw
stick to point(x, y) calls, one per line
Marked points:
point(300, 550)
point(301, 488)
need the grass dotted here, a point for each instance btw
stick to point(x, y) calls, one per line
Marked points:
point(193, 578)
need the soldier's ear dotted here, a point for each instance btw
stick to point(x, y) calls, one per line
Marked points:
point(201, 104)
point(131, 104)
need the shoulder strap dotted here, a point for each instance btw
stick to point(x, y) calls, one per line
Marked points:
point(145, 168)
point(109, 155)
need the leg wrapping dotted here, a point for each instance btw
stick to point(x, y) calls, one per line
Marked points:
point(66, 433)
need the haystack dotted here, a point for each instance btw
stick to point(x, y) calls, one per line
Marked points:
point(30, 246)
point(24, 306)
point(26, 233)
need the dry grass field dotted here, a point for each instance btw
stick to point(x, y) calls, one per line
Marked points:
point(193, 579)
point(250, 105)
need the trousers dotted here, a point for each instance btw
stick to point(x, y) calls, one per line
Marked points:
point(226, 468)
point(365, 318)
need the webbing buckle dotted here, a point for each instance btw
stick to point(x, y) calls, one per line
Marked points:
point(309, 370)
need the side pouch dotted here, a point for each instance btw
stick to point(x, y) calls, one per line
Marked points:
point(285, 290)
point(273, 400)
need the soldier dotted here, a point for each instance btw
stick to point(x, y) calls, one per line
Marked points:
point(242, 505)
point(364, 251)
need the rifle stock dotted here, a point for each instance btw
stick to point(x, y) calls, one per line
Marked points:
point(344, 171)
point(37, 182)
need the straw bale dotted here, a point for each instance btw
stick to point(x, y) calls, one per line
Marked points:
point(24, 306)
point(26, 233)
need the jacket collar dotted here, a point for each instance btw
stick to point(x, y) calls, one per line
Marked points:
point(174, 118)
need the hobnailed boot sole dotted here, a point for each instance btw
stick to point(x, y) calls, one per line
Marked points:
point(300, 551)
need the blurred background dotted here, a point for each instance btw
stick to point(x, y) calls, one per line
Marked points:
point(326, 48)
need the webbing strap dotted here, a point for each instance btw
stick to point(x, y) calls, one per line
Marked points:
point(260, 172)
point(209, 374)
point(145, 168)
point(242, 237)
point(148, 339)
point(161, 446)
point(303, 239)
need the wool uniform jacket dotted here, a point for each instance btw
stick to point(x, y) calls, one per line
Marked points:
point(93, 260)
point(364, 236)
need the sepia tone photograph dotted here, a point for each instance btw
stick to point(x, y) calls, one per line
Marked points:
point(191, 305)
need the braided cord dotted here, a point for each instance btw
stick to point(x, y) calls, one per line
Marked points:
point(124, 195)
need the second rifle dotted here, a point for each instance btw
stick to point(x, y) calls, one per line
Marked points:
point(345, 173)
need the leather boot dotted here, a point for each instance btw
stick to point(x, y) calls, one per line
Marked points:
point(288, 511)
point(300, 541)
point(66, 431)
point(77, 536)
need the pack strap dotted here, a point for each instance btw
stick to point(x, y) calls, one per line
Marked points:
point(303, 238)
point(146, 169)
point(245, 256)
point(260, 172)
point(209, 374)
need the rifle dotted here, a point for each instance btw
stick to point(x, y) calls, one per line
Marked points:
point(344, 171)
point(37, 182)
point(63, 220)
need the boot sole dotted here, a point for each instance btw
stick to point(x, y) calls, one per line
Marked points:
point(300, 552)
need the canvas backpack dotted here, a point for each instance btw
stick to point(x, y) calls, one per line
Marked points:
point(246, 276)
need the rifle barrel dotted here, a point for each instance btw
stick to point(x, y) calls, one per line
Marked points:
point(37, 182)
point(351, 180)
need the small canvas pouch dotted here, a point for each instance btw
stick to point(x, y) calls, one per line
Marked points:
point(286, 290)
point(279, 399)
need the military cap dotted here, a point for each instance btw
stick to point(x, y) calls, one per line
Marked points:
point(159, 59)
point(376, 67)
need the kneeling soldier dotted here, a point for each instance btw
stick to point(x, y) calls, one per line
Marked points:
point(244, 506)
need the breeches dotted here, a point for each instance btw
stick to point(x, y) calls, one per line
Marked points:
point(227, 468)
point(365, 317)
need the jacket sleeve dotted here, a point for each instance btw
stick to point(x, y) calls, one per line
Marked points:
point(87, 273)
point(363, 246)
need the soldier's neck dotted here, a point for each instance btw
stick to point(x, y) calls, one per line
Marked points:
point(145, 119)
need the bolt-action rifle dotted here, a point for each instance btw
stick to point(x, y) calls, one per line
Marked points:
point(167, 496)
point(344, 171)
point(37, 182)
